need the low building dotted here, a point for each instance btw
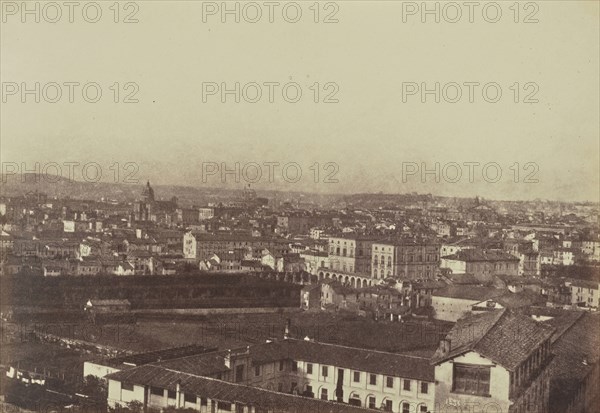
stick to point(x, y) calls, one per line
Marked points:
point(454, 301)
point(310, 297)
point(584, 293)
point(107, 306)
point(272, 376)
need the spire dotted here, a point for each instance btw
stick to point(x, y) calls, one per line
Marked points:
point(148, 193)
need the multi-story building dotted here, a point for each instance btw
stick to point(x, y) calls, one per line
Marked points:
point(314, 260)
point(159, 388)
point(206, 213)
point(350, 377)
point(482, 262)
point(591, 250)
point(496, 361)
point(563, 256)
point(351, 253)
point(405, 259)
point(584, 293)
point(202, 246)
point(526, 252)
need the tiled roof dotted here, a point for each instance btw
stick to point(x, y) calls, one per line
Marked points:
point(200, 365)
point(471, 292)
point(391, 364)
point(504, 336)
point(164, 378)
point(561, 319)
point(576, 354)
point(521, 299)
point(585, 284)
point(157, 355)
point(475, 255)
point(463, 279)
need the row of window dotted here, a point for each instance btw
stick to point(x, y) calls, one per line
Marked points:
point(406, 258)
point(189, 398)
point(389, 380)
point(371, 402)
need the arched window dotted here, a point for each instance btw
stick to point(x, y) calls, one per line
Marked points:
point(354, 400)
point(323, 395)
point(371, 402)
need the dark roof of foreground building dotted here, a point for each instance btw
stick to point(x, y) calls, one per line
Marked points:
point(210, 362)
point(161, 377)
point(576, 354)
point(380, 362)
point(158, 355)
point(206, 364)
point(504, 336)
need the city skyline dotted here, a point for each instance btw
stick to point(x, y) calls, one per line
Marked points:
point(369, 117)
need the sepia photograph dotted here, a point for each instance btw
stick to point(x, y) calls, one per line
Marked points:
point(305, 206)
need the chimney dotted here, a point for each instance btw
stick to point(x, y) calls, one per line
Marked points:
point(228, 359)
point(445, 346)
point(288, 324)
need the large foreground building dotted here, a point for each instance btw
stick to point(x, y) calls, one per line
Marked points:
point(280, 374)
point(494, 361)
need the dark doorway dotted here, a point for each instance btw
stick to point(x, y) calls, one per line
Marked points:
point(339, 389)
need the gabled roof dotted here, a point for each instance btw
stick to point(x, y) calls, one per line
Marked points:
point(503, 336)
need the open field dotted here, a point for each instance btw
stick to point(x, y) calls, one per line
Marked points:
point(237, 330)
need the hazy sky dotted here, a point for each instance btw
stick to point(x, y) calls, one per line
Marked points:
point(369, 56)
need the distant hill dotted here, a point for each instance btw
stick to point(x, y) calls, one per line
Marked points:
point(60, 187)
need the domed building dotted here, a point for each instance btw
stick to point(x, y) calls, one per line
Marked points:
point(149, 209)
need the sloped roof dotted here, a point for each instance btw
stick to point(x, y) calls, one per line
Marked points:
point(477, 255)
point(503, 336)
point(164, 378)
point(391, 364)
point(470, 292)
point(523, 298)
point(201, 364)
point(576, 354)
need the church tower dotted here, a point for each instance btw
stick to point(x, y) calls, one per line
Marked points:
point(148, 193)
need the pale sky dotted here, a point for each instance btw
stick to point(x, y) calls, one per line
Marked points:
point(369, 53)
